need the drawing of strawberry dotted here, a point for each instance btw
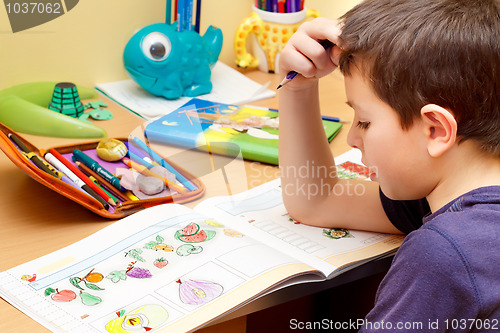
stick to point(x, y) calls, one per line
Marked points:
point(160, 262)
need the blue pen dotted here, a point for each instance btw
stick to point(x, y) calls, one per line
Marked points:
point(181, 5)
point(189, 15)
point(198, 14)
point(335, 119)
point(327, 118)
point(163, 163)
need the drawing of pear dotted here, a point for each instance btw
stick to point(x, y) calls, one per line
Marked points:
point(89, 299)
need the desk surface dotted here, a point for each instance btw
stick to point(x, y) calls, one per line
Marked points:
point(36, 221)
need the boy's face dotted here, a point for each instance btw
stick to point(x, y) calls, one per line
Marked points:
point(396, 156)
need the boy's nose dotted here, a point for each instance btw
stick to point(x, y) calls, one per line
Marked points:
point(353, 138)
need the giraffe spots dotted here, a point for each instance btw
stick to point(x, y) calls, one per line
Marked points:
point(271, 37)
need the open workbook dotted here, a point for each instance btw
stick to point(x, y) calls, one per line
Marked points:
point(173, 269)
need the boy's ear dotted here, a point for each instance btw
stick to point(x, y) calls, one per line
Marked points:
point(440, 128)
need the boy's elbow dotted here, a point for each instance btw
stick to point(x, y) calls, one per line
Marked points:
point(306, 212)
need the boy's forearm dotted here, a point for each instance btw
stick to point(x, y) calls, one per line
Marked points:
point(306, 163)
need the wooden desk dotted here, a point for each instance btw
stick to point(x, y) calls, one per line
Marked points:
point(35, 221)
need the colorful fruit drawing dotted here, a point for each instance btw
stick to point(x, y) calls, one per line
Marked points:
point(143, 319)
point(160, 262)
point(193, 234)
point(159, 245)
point(187, 249)
point(233, 233)
point(198, 292)
point(29, 278)
point(137, 272)
point(214, 223)
point(87, 280)
point(94, 277)
point(136, 254)
point(60, 296)
point(116, 276)
point(89, 299)
point(337, 233)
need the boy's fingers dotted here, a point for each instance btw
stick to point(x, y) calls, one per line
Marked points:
point(335, 55)
point(323, 29)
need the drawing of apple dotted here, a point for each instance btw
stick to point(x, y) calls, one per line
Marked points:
point(60, 296)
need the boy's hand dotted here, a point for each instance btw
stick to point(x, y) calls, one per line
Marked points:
point(305, 55)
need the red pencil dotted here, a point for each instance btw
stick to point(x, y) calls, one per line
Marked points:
point(82, 176)
point(281, 6)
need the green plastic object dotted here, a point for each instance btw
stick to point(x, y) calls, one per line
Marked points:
point(23, 108)
point(66, 100)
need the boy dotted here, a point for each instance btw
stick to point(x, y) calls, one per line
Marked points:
point(423, 78)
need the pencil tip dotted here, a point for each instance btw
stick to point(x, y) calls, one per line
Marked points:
point(279, 86)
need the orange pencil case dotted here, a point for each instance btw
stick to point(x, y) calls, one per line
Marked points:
point(123, 209)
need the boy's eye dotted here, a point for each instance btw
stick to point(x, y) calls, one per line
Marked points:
point(363, 124)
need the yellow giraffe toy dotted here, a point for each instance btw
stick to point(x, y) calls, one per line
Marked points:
point(272, 31)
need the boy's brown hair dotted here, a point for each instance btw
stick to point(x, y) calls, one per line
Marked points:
point(417, 52)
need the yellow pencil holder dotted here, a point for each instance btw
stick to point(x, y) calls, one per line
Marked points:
point(269, 32)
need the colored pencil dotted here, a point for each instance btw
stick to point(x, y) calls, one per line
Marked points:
point(57, 163)
point(281, 6)
point(92, 178)
point(84, 178)
point(168, 11)
point(102, 181)
point(163, 163)
point(146, 172)
point(80, 156)
point(290, 75)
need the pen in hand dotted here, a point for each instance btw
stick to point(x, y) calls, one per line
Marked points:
point(325, 43)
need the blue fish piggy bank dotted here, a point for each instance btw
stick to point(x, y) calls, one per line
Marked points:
point(169, 63)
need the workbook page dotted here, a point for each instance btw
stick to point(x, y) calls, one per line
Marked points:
point(162, 267)
point(260, 213)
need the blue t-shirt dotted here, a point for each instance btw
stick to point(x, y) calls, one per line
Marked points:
point(446, 275)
